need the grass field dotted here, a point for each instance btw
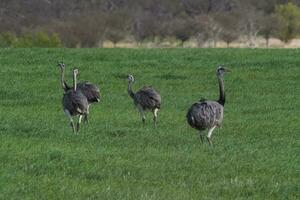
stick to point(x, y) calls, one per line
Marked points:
point(255, 153)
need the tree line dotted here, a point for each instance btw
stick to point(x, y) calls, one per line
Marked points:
point(73, 23)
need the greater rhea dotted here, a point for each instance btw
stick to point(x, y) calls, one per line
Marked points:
point(75, 103)
point(91, 91)
point(206, 114)
point(145, 99)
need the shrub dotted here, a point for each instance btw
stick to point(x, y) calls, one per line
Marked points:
point(39, 39)
point(55, 41)
point(24, 41)
point(7, 39)
point(289, 21)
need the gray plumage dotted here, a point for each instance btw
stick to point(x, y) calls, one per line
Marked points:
point(147, 98)
point(91, 91)
point(75, 103)
point(206, 114)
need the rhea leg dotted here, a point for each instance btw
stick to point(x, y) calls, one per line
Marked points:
point(78, 123)
point(68, 114)
point(155, 110)
point(209, 134)
point(142, 113)
point(201, 134)
point(85, 116)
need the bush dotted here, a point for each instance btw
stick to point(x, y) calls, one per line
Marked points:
point(55, 41)
point(289, 21)
point(24, 41)
point(7, 39)
point(39, 39)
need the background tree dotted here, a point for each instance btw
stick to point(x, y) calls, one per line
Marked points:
point(288, 21)
point(143, 27)
point(89, 30)
point(250, 26)
point(200, 33)
point(24, 41)
point(117, 27)
point(89, 23)
point(230, 24)
point(65, 31)
point(182, 29)
point(163, 28)
point(211, 27)
point(201, 37)
point(269, 26)
point(7, 39)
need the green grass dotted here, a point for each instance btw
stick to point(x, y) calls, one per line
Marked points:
point(255, 153)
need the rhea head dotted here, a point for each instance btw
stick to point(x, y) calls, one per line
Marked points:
point(130, 78)
point(75, 71)
point(222, 70)
point(61, 65)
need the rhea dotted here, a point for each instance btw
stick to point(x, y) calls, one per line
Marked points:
point(147, 98)
point(91, 91)
point(206, 114)
point(75, 103)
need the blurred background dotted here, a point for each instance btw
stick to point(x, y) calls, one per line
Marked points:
point(150, 23)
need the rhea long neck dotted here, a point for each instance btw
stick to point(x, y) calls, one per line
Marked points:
point(129, 90)
point(222, 91)
point(74, 82)
point(62, 79)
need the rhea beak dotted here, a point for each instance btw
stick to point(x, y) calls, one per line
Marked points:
point(130, 78)
point(227, 70)
point(60, 64)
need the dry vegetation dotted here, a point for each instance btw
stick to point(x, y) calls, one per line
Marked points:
point(158, 23)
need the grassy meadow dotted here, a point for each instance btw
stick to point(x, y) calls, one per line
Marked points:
point(255, 153)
